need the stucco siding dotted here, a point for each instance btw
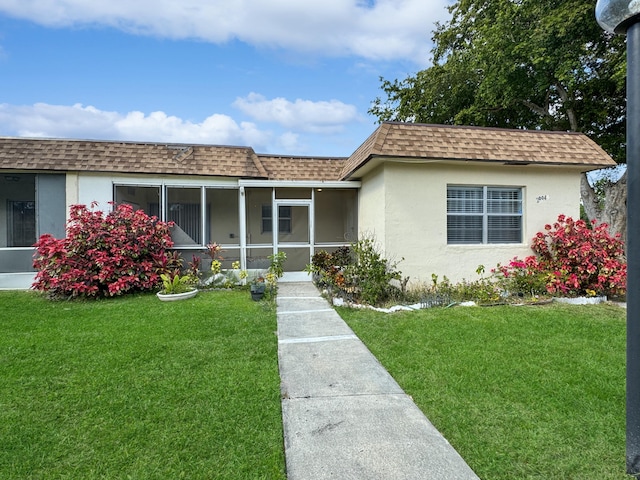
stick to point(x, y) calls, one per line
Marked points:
point(95, 188)
point(371, 205)
point(415, 214)
point(71, 189)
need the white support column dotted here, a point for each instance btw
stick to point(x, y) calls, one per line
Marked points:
point(312, 224)
point(242, 214)
point(203, 215)
point(275, 220)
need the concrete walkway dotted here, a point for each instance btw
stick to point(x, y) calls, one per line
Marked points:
point(344, 416)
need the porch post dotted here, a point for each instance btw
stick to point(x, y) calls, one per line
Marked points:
point(275, 220)
point(312, 225)
point(621, 16)
point(242, 216)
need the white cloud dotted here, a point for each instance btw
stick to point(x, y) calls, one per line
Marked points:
point(290, 142)
point(78, 121)
point(376, 30)
point(302, 115)
point(43, 120)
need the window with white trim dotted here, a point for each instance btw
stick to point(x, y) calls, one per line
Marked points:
point(284, 219)
point(480, 215)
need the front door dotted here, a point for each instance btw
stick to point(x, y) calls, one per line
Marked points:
point(294, 225)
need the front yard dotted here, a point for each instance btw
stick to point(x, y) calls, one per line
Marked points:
point(522, 392)
point(136, 388)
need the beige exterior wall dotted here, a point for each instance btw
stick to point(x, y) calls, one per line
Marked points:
point(72, 190)
point(371, 205)
point(408, 213)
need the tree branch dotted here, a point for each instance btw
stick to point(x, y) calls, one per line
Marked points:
point(537, 109)
point(571, 114)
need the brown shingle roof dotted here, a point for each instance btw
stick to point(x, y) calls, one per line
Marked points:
point(390, 140)
point(129, 157)
point(302, 168)
point(444, 142)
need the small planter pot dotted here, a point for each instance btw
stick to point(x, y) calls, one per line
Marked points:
point(257, 292)
point(173, 297)
point(257, 296)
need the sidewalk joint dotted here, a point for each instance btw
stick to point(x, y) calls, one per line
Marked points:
point(330, 338)
point(307, 311)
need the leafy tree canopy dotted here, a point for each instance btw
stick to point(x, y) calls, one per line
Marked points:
point(543, 64)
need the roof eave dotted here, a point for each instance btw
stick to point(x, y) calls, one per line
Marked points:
point(373, 161)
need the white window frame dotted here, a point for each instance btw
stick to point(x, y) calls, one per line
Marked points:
point(284, 218)
point(485, 213)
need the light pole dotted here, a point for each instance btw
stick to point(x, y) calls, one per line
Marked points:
point(623, 17)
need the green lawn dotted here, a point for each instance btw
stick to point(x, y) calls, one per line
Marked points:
point(531, 392)
point(137, 388)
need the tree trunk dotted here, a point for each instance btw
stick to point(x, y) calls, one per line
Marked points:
point(611, 210)
point(590, 200)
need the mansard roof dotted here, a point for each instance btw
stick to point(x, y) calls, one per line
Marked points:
point(408, 142)
point(419, 142)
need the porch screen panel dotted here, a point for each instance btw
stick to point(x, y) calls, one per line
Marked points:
point(335, 216)
point(258, 259)
point(297, 258)
point(258, 203)
point(16, 260)
point(223, 218)
point(293, 223)
point(184, 209)
point(293, 193)
point(145, 198)
point(51, 204)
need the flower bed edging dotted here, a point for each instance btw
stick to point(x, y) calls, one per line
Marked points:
point(580, 300)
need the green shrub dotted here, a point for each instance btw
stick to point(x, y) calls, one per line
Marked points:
point(369, 275)
point(104, 254)
point(482, 291)
point(327, 268)
point(276, 266)
point(173, 284)
point(571, 259)
point(358, 273)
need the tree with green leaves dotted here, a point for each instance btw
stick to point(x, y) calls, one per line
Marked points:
point(534, 64)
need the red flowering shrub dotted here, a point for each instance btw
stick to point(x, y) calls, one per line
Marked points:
point(572, 259)
point(104, 255)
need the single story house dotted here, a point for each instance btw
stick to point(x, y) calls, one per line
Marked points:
point(438, 199)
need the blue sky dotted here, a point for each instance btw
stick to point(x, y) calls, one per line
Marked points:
point(291, 77)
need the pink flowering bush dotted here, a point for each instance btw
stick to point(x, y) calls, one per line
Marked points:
point(571, 259)
point(105, 255)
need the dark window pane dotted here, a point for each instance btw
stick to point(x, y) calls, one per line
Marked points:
point(464, 229)
point(22, 223)
point(267, 225)
point(507, 229)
